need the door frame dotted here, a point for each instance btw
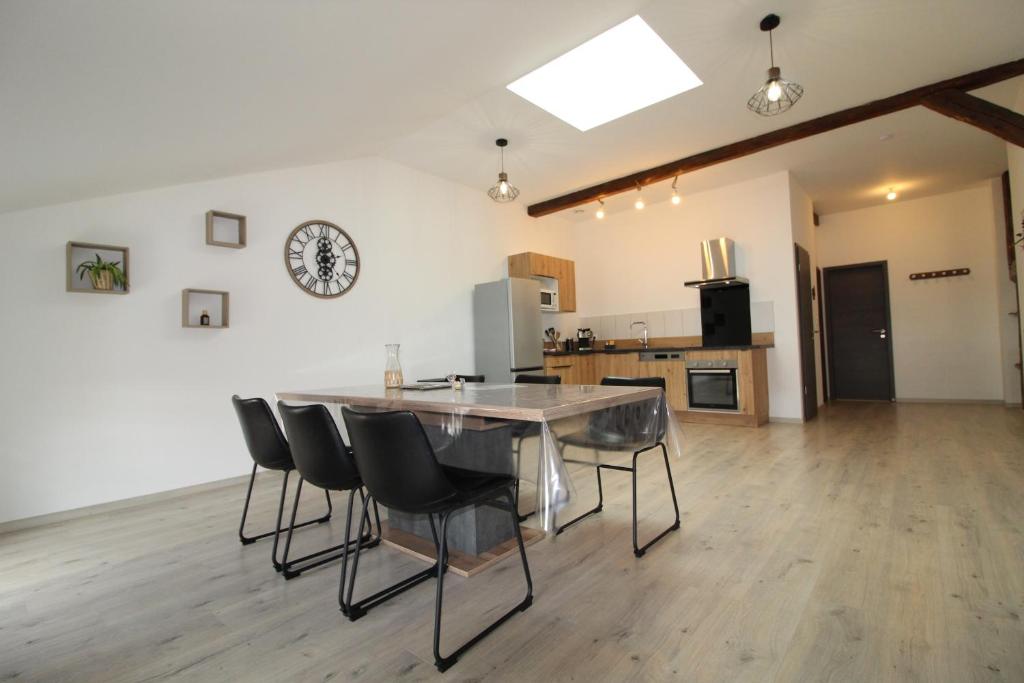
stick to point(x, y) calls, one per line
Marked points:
point(827, 296)
point(821, 335)
point(797, 248)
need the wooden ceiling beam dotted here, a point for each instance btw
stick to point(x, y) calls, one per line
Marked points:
point(999, 121)
point(799, 131)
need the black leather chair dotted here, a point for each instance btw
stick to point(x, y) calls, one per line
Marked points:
point(323, 460)
point(477, 379)
point(269, 450)
point(623, 429)
point(524, 430)
point(400, 469)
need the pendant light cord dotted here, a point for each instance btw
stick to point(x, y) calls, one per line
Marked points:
point(771, 49)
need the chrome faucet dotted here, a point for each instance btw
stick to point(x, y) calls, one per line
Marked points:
point(643, 339)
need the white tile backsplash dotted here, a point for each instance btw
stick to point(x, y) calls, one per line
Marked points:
point(622, 325)
point(683, 322)
point(691, 322)
point(674, 323)
point(655, 323)
point(762, 316)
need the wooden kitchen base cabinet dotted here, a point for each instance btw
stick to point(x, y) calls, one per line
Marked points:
point(752, 381)
point(572, 368)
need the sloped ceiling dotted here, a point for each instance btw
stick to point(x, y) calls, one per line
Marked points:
point(103, 96)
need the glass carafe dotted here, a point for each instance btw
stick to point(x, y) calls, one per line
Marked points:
point(392, 368)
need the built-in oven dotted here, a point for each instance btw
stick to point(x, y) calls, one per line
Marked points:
point(711, 385)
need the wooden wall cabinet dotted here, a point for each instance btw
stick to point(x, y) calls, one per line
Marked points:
point(530, 264)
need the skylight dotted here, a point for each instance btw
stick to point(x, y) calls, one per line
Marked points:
point(623, 70)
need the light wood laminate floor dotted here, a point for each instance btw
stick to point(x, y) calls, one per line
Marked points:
point(880, 542)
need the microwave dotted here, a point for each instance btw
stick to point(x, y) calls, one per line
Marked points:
point(548, 300)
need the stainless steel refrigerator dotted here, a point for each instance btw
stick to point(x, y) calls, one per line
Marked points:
point(508, 332)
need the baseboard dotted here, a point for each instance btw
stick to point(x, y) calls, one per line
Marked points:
point(114, 505)
point(955, 401)
point(786, 420)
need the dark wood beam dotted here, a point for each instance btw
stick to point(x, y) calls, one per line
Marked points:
point(1000, 121)
point(799, 131)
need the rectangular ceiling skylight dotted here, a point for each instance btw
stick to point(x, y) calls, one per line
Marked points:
point(623, 70)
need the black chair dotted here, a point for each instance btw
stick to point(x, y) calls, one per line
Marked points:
point(477, 379)
point(269, 450)
point(524, 430)
point(400, 469)
point(623, 429)
point(323, 460)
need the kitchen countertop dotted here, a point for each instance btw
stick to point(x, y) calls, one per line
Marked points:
point(659, 349)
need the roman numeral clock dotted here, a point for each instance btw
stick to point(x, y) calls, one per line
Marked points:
point(322, 259)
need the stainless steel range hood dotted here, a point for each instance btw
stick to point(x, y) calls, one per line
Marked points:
point(718, 265)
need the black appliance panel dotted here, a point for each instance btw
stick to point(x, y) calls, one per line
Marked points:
point(725, 316)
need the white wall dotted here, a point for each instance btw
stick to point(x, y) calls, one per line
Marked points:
point(638, 261)
point(107, 397)
point(945, 332)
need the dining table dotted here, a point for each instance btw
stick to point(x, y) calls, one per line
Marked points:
point(484, 427)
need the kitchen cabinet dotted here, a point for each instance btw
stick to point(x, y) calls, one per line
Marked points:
point(562, 366)
point(572, 368)
point(530, 264)
point(751, 388)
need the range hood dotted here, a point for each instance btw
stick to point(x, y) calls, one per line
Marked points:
point(718, 265)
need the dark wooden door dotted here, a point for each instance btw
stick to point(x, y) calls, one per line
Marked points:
point(859, 332)
point(808, 369)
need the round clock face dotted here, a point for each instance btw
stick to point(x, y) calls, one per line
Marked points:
point(322, 259)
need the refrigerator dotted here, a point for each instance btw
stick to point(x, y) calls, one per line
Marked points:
point(507, 329)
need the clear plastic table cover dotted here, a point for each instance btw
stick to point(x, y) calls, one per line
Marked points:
point(541, 453)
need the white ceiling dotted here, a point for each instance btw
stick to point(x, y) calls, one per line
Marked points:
point(104, 96)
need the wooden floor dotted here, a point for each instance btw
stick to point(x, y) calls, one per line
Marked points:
point(878, 543)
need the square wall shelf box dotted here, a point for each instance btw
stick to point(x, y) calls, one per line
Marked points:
point(214, 302)
point(225, 229)
point(79, 252)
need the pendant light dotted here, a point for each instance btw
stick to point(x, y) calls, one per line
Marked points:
point(676, 199)
point(891, 195)
point(777, 94)
point(503, 190)
point(639, 203)
point(599, 214)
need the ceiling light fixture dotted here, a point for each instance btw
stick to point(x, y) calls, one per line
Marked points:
point(503, 191)
point(777, 94)
point(600, 209)
point(620, 71)
point(676, 199)
point(639, 203)
point(892, 194)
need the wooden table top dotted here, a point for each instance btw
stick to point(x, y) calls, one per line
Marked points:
point(525, 402)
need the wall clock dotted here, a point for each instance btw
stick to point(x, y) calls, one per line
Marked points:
point(322, 259)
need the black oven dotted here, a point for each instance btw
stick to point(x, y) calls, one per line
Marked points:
point(711, 384)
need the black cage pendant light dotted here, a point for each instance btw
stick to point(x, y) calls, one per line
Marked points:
point(503, 190)
point(777, 94)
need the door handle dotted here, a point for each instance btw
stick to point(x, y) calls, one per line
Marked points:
point(881, 332)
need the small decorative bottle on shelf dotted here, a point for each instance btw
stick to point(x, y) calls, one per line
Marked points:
point(392, 368)
point(204, 319)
